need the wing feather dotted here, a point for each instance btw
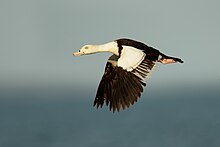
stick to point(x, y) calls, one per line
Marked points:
point(120, 88)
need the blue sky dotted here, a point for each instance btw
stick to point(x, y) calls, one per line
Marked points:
point(38, 37)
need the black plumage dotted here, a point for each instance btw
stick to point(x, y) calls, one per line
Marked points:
point(121, 88)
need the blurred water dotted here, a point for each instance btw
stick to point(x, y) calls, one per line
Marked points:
point(176, 121)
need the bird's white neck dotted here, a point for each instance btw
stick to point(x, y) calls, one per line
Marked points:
point(108, 47)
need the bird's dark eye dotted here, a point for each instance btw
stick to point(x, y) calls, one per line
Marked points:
point(86, 47)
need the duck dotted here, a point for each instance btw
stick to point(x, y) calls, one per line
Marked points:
point(125, 72)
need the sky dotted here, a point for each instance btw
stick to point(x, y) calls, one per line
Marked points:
point(37, 38)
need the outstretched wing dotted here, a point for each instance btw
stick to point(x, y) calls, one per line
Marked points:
point(119, 87)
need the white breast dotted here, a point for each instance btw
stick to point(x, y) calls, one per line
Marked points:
point(130, 58)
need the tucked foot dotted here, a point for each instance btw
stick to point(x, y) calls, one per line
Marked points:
point(167, 61)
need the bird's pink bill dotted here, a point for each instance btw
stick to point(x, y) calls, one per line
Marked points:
point(77, 54)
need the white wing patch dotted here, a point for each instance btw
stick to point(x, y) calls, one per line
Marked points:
point(130, 58)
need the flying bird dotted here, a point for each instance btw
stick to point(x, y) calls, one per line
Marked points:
point(125, 71)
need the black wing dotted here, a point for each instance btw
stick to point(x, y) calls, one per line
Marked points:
point(121, 88)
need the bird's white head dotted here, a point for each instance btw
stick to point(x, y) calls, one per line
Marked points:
point(91, 49)
point(86, 49)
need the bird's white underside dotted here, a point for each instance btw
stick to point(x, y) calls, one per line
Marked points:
point(130, 58)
